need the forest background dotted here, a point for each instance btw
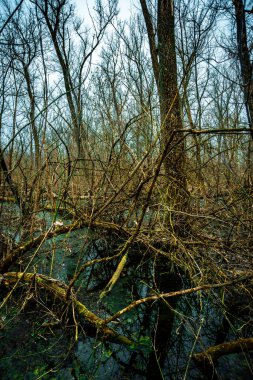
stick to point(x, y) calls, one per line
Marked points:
point(126, 189)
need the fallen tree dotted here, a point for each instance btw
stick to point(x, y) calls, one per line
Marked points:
point(59, 290)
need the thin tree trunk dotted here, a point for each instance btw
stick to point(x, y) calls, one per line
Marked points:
point(8, 179)
point(163, 55)
point(246, 74)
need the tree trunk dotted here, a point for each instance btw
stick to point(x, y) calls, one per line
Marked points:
point(170, 112)
point(164, 322)
point(163, 55)
point(9, 180)
point(246, 75)
point(244, 59)
point(32, 117)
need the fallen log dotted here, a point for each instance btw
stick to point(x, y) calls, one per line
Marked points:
point(59, 290)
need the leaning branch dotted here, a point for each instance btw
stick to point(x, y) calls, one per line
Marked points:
point(136, 303)
point(10, 16)
point(33, 243)
point(151, 38)
point(52, 232)
point(115, 277)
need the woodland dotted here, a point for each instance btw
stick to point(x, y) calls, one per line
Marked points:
point(126, 172)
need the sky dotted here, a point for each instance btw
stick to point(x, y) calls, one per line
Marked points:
point(125, 7)
point(84, 7)
point(248, 4)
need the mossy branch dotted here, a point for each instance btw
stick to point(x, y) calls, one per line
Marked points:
point(115, 277)
point(86, 265)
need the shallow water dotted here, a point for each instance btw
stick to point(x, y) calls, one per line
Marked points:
point(38, 336)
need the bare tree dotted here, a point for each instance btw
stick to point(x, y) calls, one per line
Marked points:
point(57, 16)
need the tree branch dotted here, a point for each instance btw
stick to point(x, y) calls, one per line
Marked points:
point(151, 38)
point(207, 358)
point(10, 16)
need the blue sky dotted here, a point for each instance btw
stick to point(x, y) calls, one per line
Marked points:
point(125, 7)
point(248, 4)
